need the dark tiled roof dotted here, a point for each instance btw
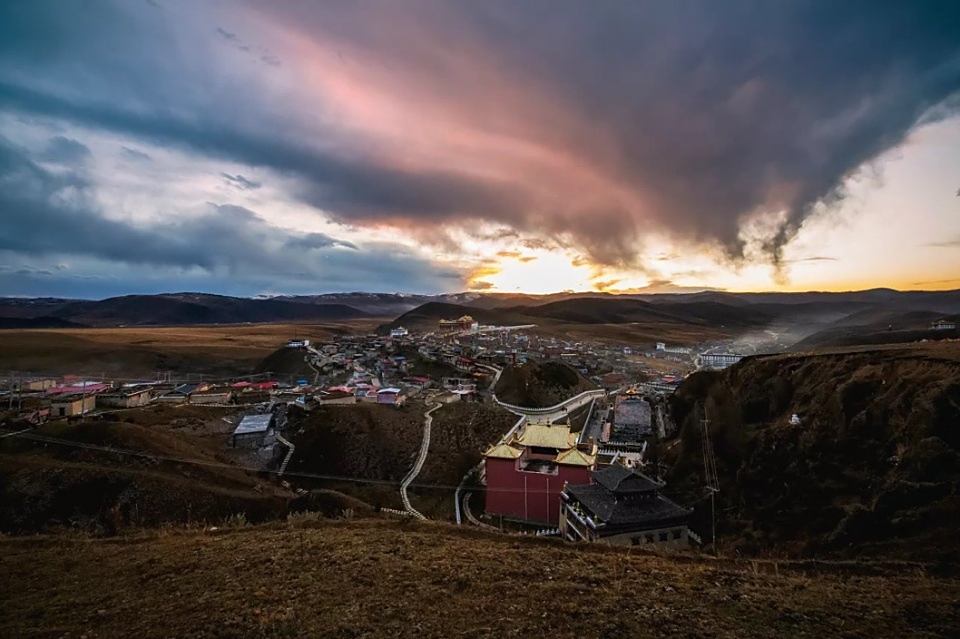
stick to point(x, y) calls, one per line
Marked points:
point(620, 479)
point(620, 496)
point(605, 508)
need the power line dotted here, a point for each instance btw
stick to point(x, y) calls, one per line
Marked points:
point(710, 476)
point(46, 439)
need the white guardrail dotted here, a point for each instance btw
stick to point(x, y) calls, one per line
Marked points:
point(523, 410)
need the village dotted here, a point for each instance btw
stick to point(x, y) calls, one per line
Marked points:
point(577, 469)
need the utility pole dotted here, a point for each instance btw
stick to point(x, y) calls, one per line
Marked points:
point(710, 477)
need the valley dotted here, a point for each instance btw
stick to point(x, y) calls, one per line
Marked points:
point(835, 466)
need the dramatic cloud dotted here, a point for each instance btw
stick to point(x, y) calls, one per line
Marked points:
point(564, 126)
point(53, 214)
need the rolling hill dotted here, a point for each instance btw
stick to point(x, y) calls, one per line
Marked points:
point(426, 316)
point(177, 309)
point(879, 326)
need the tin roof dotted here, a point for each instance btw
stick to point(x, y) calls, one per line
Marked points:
point(254, 424)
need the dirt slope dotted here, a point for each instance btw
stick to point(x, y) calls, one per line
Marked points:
point(379, 579)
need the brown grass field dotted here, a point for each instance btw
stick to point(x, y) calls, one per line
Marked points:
point(221, 349)
point(369, 578)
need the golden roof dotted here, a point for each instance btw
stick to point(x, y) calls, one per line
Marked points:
point(546, 436)
point(575, 457)
point(502, 451)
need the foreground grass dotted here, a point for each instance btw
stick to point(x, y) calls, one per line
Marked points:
point(382, 578)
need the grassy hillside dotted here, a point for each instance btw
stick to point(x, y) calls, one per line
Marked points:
point(227, 350)
point(872, 469)
point(378, 445)
point(536, 384)
point(44, 484)
point(401, 579)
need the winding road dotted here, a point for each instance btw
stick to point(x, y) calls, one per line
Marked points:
point(557, 411)
point(418, 465)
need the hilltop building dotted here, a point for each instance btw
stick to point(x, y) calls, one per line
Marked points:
point(622, 507)
point(678, 353)
point(526, 474)
point(717, 361)
point(464, 323)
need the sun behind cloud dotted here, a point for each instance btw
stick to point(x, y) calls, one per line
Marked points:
point(542, 272)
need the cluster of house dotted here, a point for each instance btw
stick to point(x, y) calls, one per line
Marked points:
point(588, 486)
point(44, 398)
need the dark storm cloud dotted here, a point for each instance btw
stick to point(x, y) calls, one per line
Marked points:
point(679, 117)
point(713, 111)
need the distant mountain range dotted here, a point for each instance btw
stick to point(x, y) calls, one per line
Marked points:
point(817, 318)
point(165, 310)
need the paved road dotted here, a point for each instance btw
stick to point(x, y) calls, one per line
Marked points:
point(418, 465)
point(470, 516)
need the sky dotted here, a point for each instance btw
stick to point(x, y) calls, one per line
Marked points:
point(251, 148)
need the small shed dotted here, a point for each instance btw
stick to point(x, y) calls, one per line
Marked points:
point(125, 398)
point(72, 405)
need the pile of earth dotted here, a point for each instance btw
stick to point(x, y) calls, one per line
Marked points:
point(287, 362)
point(540, 384)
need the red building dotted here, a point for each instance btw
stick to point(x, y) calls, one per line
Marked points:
point(526, 474)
